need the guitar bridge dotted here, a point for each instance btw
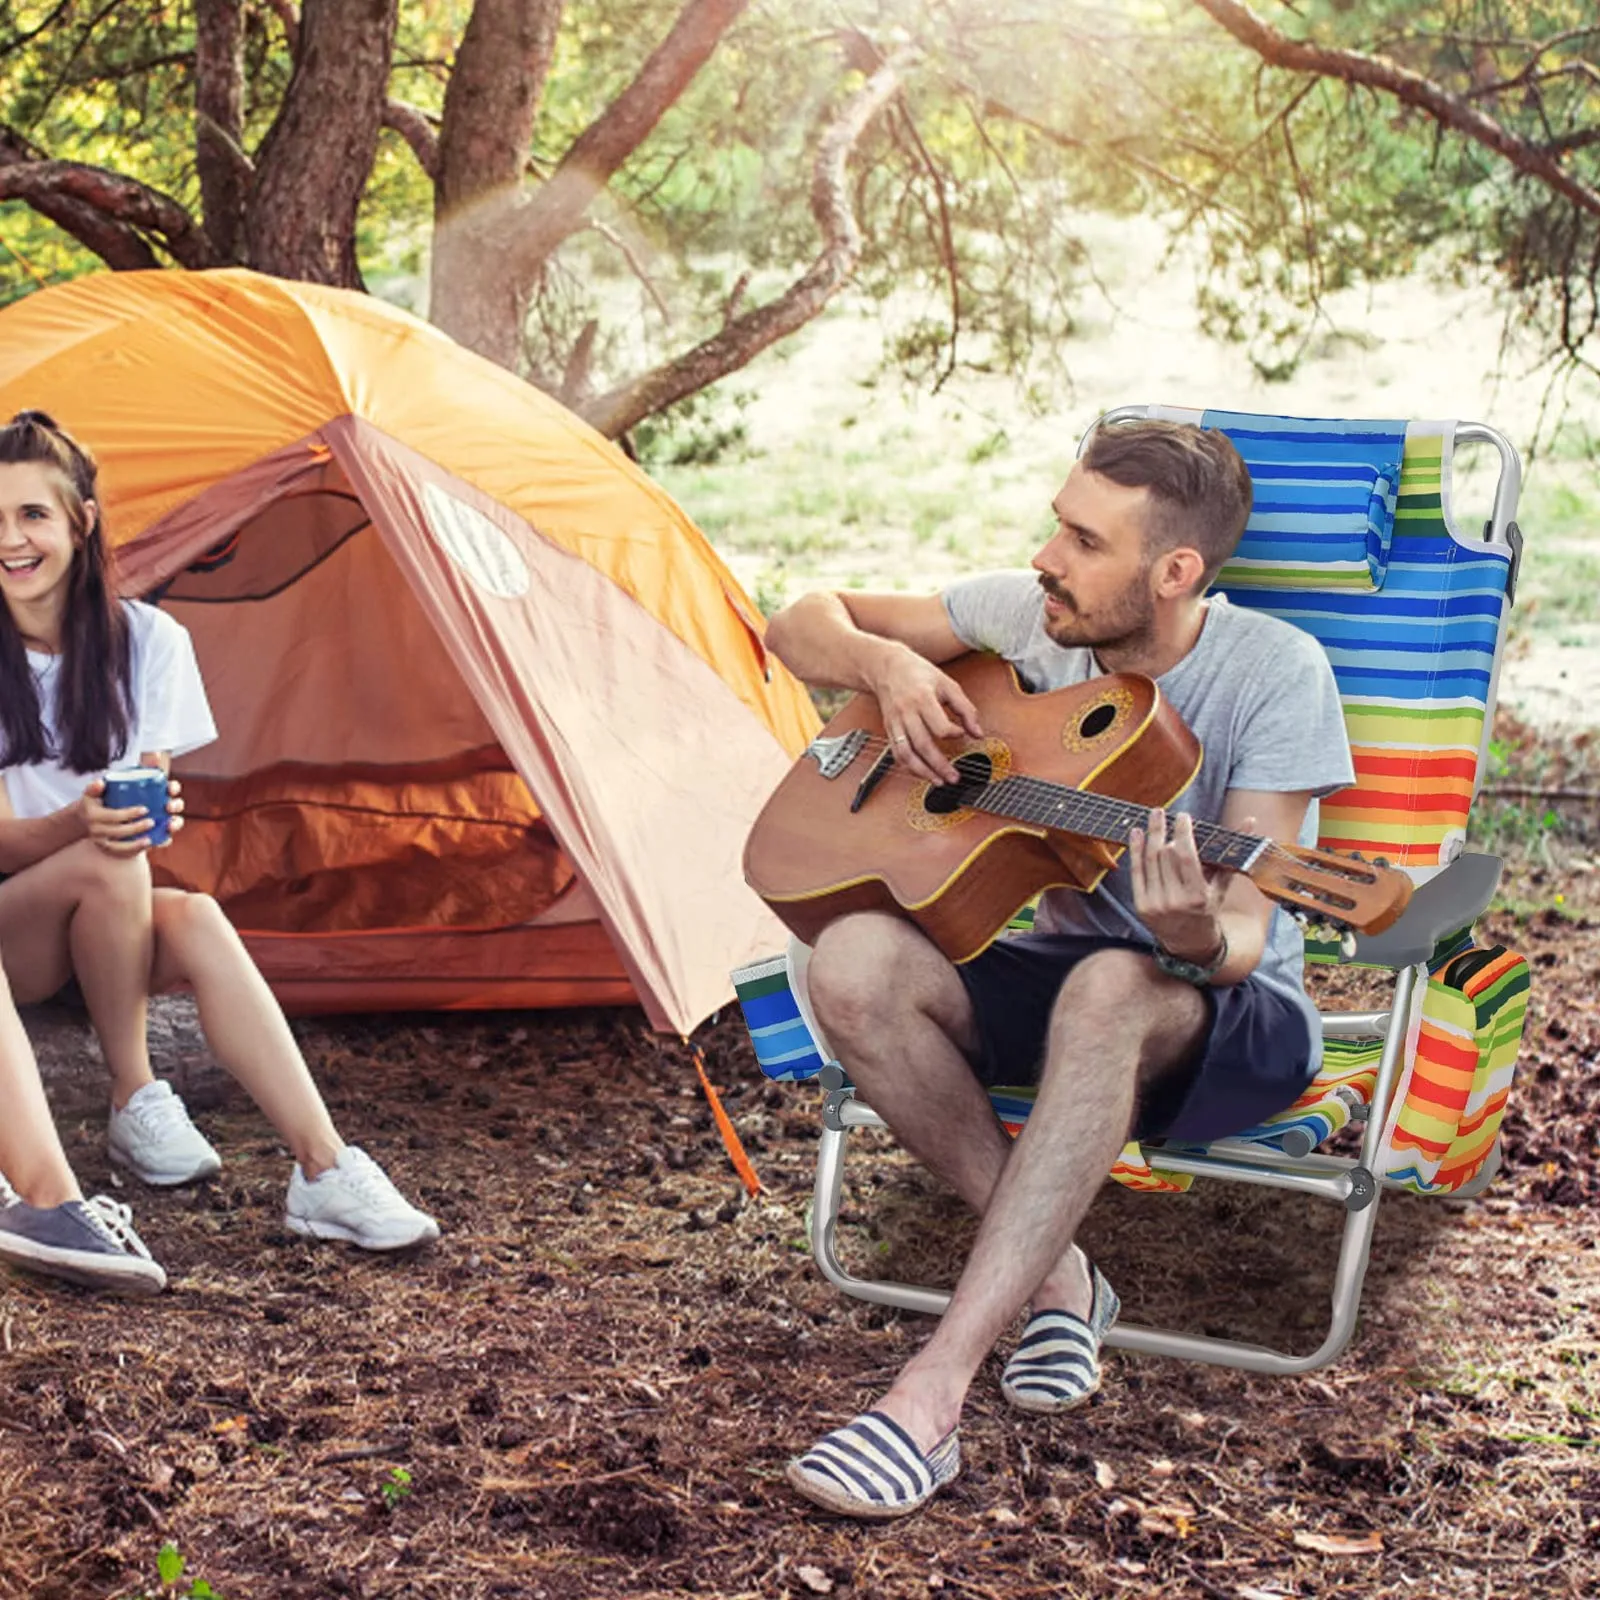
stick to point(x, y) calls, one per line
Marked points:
point(834, 755)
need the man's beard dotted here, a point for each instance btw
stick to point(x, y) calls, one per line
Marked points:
point(1126, 621)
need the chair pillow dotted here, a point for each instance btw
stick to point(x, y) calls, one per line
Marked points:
point(1325, 495)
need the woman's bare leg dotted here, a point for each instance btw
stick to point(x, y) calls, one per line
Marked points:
point(31, 1156)
point(196, 947)
point(83, 912)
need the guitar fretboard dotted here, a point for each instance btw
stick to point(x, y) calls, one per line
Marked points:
point(1054, 805)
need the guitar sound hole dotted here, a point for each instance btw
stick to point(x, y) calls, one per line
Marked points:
point(976, 769)
point(1097, 721)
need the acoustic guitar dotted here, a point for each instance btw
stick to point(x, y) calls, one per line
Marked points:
point(1047, 798)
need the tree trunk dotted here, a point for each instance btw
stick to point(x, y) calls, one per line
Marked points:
point(489, 107)
point(313, 166)
point(220, 162)
point(489, 254)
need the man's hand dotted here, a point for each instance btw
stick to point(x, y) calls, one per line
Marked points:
point(1178, 898)
point(922, 705)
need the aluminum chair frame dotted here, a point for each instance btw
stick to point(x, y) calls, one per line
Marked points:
point(1452, 899)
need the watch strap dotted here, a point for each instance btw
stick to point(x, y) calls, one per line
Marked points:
point(1198, 973)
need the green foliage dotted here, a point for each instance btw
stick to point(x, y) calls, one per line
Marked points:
point(706, 428)
point(395, 1488)
point(1014, 117)
point(170, 1567)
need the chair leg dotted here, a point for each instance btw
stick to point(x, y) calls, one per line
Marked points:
point(824, 1223)
point(1354, 1249)
point(1354, 1186)
point(1348, 1276)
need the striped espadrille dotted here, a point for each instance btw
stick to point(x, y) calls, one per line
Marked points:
point(872, 1468)
point(1057, 1364)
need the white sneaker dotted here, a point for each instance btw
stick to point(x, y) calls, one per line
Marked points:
point(154, 1139)
point(355, 1201)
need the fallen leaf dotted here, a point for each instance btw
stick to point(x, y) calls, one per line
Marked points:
point(1104, 1476)
point(815, 1579)
point(230, 1424)
point(1162, 1468)
point(1004, 1516)
point(1340, 1544)
point(1246, 1592)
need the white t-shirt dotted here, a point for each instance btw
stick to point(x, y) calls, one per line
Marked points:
point(170, 711)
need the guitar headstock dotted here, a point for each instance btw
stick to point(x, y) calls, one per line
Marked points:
point(1342, 892)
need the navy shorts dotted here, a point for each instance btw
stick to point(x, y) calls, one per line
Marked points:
point(1254, 1061)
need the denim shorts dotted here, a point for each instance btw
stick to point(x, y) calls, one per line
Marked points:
point(1254, 1060)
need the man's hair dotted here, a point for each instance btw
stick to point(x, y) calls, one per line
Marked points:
point(1200, 491)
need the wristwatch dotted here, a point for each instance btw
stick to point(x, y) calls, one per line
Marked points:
point(1192, 971)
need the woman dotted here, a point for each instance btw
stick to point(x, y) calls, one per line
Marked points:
point(88, 682)
point(45, 1223)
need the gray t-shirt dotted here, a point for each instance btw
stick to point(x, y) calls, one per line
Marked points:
point(1256, 692)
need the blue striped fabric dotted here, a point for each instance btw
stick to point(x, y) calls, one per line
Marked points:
point(785, 1048)
point(1323, 516)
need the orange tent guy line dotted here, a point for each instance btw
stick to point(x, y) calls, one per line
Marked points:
point(730, 1138)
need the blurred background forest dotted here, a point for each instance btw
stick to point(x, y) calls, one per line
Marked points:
point(851, 278)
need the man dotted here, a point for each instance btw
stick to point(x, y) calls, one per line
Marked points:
point(1169, 1002)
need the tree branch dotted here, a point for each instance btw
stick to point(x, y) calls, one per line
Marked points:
point(107, 212)
point(289, 15)
point(1277, 49)
point(746, 336)
point(618, 243)
point(555, 211)
point(1577, 139)
point(413, 126)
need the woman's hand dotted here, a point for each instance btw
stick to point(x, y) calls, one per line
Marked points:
point(120, 831)
point(174, 809)
point(920, 706)
point(1177, 897)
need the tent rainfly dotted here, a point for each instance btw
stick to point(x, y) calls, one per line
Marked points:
point(495, 719)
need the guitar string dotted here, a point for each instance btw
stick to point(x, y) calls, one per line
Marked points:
point(1096, 807)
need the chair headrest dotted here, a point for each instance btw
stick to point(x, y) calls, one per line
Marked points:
point(1325, 492)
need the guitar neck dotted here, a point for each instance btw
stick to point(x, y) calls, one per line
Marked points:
point(1079, 811)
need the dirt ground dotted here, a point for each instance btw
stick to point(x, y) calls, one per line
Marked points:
point(590, 1386)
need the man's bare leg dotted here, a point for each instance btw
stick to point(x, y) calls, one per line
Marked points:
point(1116, 1018)
point(899, 1018)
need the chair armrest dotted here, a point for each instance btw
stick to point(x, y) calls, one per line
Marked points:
point(1453, 899)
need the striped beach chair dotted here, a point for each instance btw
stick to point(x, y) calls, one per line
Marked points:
point(1353, 537)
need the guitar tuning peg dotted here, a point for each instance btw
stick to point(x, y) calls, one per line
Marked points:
point(1380, 861)
point(1356, 855)
point(1347, 945)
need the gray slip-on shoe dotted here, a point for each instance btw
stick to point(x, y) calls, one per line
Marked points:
point(89, 1242)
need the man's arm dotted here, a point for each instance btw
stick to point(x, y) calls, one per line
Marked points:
point(1191, 911)
point(847, 641)
point(889, 646)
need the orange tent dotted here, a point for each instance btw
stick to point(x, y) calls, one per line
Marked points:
point(495, 719)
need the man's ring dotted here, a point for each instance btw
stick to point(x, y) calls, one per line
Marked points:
point(899, 738)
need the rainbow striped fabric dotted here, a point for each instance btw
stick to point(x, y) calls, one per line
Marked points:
point(1414, 660)
point(1324, 509)
point(1449, 1106)
point(1351, 540)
